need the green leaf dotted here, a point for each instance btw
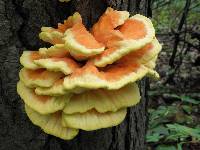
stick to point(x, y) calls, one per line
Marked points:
point(181, 132)
point(189, 119)
point(189, 99)
point(159, 129)
point(165, 147)
point(184, 98)
point(153, 137)
point(152, 93)
point(179, 146)
point(173, 96)
point(187, 108)
point(161, 115)
point(155, 134)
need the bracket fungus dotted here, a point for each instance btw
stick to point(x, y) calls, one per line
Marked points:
point(87, 79)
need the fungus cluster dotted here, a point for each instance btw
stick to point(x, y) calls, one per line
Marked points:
point(86, 79)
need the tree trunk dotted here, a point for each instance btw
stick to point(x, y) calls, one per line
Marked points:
point(20, 23)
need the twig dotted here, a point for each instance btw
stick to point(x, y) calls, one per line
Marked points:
point(177, 39)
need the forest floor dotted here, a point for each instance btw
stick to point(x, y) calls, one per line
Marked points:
point(174, 107)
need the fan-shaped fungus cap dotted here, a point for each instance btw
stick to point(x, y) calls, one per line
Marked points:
point(80, 42)
point(51, 124)
point(136, 32)
point(41, 104)
point(55, 36)
point(93, 120)
point(103, 100)
point(129, 68)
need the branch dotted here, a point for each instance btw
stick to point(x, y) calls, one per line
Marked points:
point(177, 39)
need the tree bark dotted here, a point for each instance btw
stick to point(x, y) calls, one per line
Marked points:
point(20, 23)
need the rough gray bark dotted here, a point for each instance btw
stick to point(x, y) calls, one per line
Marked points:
point(20, 23)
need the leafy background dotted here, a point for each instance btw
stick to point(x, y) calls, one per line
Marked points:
point(174, 108)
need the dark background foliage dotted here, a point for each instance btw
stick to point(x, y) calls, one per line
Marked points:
point(175, 99)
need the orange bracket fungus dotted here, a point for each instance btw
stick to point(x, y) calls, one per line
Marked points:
point(87, 79)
